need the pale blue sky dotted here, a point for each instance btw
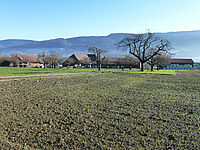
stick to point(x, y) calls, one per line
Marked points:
point(47, 19)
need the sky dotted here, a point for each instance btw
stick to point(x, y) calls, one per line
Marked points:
point(48, 19)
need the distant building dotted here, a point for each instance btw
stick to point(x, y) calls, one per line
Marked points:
point(116, 62)
point(81, 60)
point(89, 60)
point(180, 64)
point(29, 61)
point(182, 61)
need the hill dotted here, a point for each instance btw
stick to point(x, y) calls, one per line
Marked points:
point(185, 43)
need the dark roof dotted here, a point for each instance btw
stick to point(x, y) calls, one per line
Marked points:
point(28, 58)
point(181, 61)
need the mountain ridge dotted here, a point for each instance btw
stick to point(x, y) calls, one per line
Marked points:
point(186, 44)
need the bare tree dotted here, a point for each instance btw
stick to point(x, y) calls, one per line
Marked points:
point(129, 61)
point(42, 56)
point(5, 61)
point(163, 61)
point(152, 62)
point(14, 60)
point(11, 60)
point(39, 55)
point(160, 60)
point(100, 55)
point(52, 60)
point(140, 45)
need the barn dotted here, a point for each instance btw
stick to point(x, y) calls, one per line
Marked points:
point(181, 64)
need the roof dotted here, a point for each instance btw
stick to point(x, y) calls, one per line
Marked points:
point(112, 59)
point(181, 61)
point(120, 59)
point(81, 56)
point(28, 58)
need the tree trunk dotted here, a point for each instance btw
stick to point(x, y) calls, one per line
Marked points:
point(151, 67)
point(99, 66)
point(130, 67)
point(141, 66)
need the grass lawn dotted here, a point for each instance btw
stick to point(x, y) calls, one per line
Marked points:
point(101, 111)
point(161, 72)
point(15, 71)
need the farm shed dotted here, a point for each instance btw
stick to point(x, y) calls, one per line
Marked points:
point(182, 61)
point(181, 64)
point(126, 62)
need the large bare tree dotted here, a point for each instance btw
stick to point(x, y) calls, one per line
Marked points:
point(100, 55)
point(144, 46)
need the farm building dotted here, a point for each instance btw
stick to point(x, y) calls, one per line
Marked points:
point(182, 61)
point(126, 62)
point(80, 60)
point(181, 64)
point(89, 60)
point(29, 61)
point(21, 60)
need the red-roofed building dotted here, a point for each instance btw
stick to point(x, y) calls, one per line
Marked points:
point(29, 61)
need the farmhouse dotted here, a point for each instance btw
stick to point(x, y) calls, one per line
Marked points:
point(29, 61)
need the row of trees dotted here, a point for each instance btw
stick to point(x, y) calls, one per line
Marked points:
point(7, 60)
point(50, 60)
